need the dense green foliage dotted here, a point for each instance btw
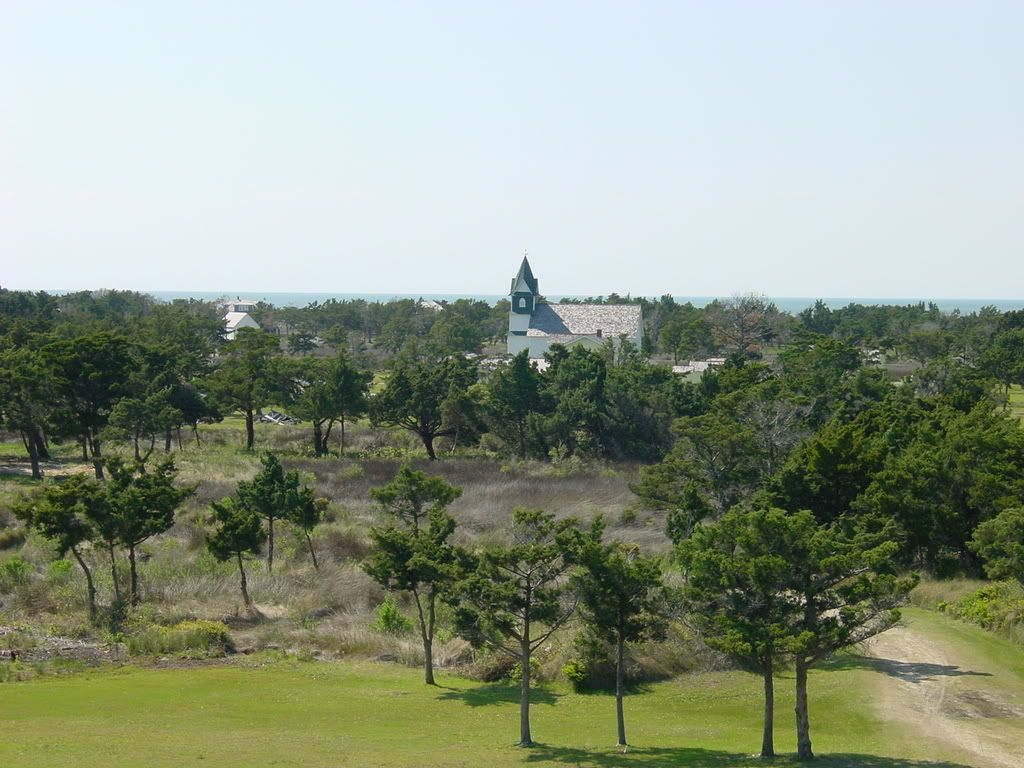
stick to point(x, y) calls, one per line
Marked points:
point(803, 481)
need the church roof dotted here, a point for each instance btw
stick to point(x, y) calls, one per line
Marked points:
point(612, 320)
point(524, 281)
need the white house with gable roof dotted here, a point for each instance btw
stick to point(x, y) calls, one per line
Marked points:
point(535, 325)
point(237, 316)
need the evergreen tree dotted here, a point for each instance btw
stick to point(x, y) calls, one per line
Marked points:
point(412, 553)
point(142, 505)
point(1000, 543)
point(622, 600)
point(29, 396)
point(515, 598)
point(239, 533)
point(270, 494)
point(512, 397)
point(737, 573)
point(841, 578)
point(65, 513)
point(249, 377)
point(417, 391)
point(92, 372)
point(330, 391)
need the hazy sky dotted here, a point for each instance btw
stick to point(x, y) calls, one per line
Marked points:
point(790, 148)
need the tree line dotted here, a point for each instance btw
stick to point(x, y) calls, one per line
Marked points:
point(120, 366)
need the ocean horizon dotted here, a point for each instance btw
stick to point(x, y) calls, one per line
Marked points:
point(792, 304)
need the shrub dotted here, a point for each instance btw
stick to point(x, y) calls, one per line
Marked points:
point(14, 572)
point(998, 607)
point(390, 619)
point(490, 667)
point(59, 571)
point(576, 672)
point(186, 637)
point(12, 537)
point(515, 672)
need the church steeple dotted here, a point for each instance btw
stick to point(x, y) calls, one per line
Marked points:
point(525, 290)
point(524, 281)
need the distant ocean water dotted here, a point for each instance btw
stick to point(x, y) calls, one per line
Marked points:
point(791, 304)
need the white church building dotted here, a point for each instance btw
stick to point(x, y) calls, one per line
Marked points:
point(535, 325)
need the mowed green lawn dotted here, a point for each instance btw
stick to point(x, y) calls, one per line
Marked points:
point(289, 713)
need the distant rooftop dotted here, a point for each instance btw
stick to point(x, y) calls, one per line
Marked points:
point(610, 320)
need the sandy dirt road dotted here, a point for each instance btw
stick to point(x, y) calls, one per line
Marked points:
point(939, 699)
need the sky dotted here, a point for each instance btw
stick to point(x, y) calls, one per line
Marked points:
point(869, 149)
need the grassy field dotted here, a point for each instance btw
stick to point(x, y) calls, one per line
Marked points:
point(284, 712)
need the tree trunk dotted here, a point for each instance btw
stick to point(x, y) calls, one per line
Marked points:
point(341, 450)
point(768, 738)
point(134, 594)
point(250, 430)
point(152, 447)
point(138, 454)
point(312, 551)
point(85, 450)
point(803, 725)
point(425, 621)
point(270, 545)
point(97, 460)
point(167, 440)
point(428, 443)
point(42, 449)
point(195, 431)
point(28, 439)
point(318, 439)
point(620, 719)
point(525, 739)
point(113, 572)
point(88, 582)
point(325, 438)
point(245, 585)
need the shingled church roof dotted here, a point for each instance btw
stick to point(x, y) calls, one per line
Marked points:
point(610, 320)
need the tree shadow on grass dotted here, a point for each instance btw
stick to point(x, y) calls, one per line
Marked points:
point(630, 689)
point(911, 672)
point(487, 695)
point(693, 757)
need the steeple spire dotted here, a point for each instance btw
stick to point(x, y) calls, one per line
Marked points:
point(524, 281)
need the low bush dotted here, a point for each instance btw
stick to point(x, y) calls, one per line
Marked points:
point(191, 637)
point(515, 672)
point(14, 572)
point(390, 619)
point(59, 571)
point(591, 665)
point(998, 607)
point(576, 672)
point(12, 537)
